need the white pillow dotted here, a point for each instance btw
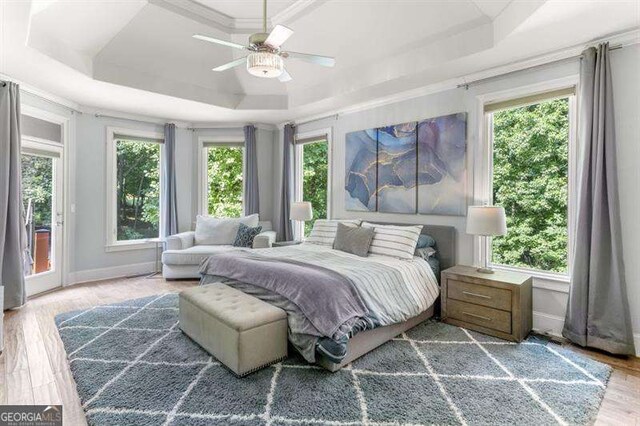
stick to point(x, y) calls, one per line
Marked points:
point(324, 231)
point(220, 231)
point(394, 241)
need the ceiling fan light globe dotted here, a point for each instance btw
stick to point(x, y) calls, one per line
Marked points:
point(265, 65)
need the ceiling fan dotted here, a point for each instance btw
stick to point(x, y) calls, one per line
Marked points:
point(266, 58)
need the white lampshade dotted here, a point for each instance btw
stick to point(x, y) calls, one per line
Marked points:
point(486, 220)
point(301, 211)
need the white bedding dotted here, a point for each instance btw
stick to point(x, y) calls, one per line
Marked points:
point(393, 289)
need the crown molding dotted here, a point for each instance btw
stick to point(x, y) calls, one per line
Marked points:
point(622, 39)
point(198, 12)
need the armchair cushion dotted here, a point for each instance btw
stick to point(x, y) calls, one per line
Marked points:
point(265, 239)
point(245, 235)
point(181, 241)
point(220, 231)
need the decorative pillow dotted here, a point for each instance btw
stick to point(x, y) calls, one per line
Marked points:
point(353, 240)
point(221, 231)
point(324, 231)
point(394, 241)
point(425, 253)
point(426, 241)
point(245, 235)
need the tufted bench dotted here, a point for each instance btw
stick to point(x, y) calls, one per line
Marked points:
point(242, 332)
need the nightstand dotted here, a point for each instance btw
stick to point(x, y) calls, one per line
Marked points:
point(497, 304)
point(286, 243)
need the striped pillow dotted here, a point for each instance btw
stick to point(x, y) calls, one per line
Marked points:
point(324, 231)
point(394, 241)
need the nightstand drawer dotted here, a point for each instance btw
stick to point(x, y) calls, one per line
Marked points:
point(486, 317)
point(479, 294)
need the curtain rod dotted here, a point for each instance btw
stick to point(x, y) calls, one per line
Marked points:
point(22, 89)
point(557, 61)
point(98, 115)
point(300, 123)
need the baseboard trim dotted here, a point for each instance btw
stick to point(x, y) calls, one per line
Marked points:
point(636, 342)
point(547, 323)
point(89, 275)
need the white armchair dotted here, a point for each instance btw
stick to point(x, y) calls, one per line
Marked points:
point(182, 256)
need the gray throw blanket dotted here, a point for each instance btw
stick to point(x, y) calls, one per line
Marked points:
point(301, 283)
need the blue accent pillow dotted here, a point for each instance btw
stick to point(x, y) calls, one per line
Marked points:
point(245, 235)
point(425, 241)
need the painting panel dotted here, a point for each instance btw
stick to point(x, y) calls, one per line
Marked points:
point(361, 171)
point(397, 163)
point(442, 144)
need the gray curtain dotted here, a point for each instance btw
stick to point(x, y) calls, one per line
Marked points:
point(598, 309)
point(169, 208)
point(13, 239)
point(286, 228)
point(251, 193)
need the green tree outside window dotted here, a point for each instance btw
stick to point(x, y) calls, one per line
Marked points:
point(138, 189)
point(224, 181)
point(314, 180)
point(530, 180)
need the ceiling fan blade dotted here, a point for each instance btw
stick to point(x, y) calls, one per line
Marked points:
point(279, 34)
point(285, 76)
point(218, 41)
point(231, 64)
point(325, 61)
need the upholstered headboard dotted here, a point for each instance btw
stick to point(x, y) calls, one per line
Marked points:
point(445, 237)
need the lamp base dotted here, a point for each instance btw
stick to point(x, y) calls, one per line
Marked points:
point(485, 270)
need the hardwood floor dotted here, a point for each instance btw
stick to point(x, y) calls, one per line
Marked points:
point(33, 366)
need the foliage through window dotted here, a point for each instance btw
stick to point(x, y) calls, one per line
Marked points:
point(314, 179)
point(530, 180)
point(138, 189)
point(37, 190)
point(224, 180)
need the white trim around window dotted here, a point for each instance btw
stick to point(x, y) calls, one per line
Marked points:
point(484, 176)
point(297, 169)
point(203, 141)
point(111, 218)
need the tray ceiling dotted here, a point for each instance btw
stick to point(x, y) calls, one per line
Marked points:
point(143, 49)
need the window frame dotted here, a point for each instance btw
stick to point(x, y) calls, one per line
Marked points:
point(484, 185)
point(298, 155)
point(112, 244)
point(203, 141)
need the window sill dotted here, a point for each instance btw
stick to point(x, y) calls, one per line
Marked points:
point(541, 279)
point(129, 245)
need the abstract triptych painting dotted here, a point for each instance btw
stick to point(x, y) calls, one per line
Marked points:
point(415, 167)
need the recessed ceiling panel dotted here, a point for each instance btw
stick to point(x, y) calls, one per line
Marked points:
point(246, 9)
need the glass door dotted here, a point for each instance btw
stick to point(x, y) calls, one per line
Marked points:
point(42, 189)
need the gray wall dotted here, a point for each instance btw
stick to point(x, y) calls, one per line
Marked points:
point(549, 305)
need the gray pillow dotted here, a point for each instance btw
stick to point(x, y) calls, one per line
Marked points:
point(353, 240)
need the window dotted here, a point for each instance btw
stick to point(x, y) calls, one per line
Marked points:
point(221, 177)
point(133, 164)
point(312, 176)
point(531, 140)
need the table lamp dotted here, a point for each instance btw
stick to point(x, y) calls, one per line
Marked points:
point(486, 221)
point(302, 212)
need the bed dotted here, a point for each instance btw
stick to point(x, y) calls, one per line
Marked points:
point(396, 294)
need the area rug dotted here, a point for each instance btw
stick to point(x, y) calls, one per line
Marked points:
point(133, 365)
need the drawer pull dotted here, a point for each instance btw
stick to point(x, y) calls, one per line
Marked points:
point(468, 293)
point(476, 316)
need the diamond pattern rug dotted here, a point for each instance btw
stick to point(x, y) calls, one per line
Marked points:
point(133, 365)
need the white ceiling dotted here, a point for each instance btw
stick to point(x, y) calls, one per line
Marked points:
point(138, 56)
point(246, 9)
